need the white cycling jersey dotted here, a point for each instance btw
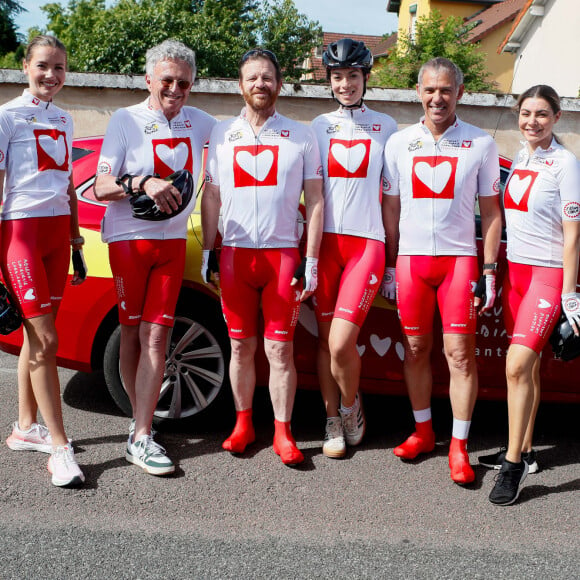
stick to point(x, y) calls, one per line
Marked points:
point(141, 141)
point(352, 143)
point(261, 179)
point(543, 189)
point(35, 151)
point(439, 183)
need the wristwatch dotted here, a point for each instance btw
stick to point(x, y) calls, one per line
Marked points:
point(492, 266)
point(77, 241)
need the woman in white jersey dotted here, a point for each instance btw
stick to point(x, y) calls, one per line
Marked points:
point(352, 255)
point(39, 225)
point(542, 209)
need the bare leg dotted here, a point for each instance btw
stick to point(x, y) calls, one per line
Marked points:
point(460, 354)
point(418, 376)
point(282, 392)
point(529, 435)
point(243, 381)
point(129, 354)
point(149, 376)
point(519, 373)
point(27, 406)
point(328, 386)
point(42, 347)
point(345, 360)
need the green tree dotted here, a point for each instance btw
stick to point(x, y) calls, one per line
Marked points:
point(434, 37)
point(289, 34)
point(114, 39)
point(9, 37)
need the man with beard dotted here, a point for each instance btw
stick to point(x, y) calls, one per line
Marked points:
point(258, 164)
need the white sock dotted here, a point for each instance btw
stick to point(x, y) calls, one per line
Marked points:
point(349, 410)
point(422, 415)
point(460, 428)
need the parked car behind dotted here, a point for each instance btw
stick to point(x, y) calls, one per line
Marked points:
point(197, 351)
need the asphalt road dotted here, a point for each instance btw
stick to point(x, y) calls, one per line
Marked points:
point(367, 516)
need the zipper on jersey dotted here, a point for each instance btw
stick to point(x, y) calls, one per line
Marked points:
point(346, 181)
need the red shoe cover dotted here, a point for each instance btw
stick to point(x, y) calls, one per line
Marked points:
point(461, 471)
point(421, 441)
point(285, 445)
point(243, 433)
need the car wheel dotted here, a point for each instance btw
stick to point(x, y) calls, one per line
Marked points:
point(195, 366)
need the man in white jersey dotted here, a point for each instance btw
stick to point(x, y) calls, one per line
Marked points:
point(257, 167)
point(143, 145)
point(435, 171)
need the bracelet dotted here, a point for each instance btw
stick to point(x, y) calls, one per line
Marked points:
point(144, 180)
point(77, 241)
point(127, 187)
point(492, 266)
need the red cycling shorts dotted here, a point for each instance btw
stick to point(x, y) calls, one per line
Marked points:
point(148, 276)
point(448, 280)
point(35, 261)
point(349, 276)
point(248, 275)
point(531, 303)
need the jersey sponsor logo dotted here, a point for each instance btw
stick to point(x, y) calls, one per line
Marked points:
point(543, 303)
point(349, 158)
point(51, 149)
point(188, 123)
point(35, 101)
point(285, 133)
point(517, 191)
point(386, 185)
point(376, 127)
point(172, 154)
point(466, 144)
point(434, 177)
point(373, 279)
point(151, 128)
point(496, 185)
point(235, 136)
point(415, 145)
point(333, 129)
point(104, 168)
point(572, 210)
point(255, 165)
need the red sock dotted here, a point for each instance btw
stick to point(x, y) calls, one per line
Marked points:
point(421, 441)
point(243, 433)
point(284, 444)
point(461, 471)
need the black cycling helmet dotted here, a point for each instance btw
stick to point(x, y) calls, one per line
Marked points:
point(565, 344)
point(10, 318)
point(347, 53)
point(144, 207)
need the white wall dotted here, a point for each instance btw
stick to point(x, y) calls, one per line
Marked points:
point(550, 50)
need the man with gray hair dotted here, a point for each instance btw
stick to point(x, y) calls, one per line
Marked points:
point(435, 172)
point(143, 145)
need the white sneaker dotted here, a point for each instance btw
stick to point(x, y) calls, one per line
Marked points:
point(37, 438)
point(334, 445)
point(353, 423)
point(64, 467)
point(149, 455)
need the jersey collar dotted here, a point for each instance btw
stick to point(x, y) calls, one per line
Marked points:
point(352, 112)
point(456, 124)
point(30, 99)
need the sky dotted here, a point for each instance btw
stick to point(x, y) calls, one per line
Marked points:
point(346, 16)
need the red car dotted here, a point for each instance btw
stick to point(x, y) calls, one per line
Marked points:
point(197, 353)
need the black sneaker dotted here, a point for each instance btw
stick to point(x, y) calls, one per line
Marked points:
point(495, 460)
point(508, 482)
